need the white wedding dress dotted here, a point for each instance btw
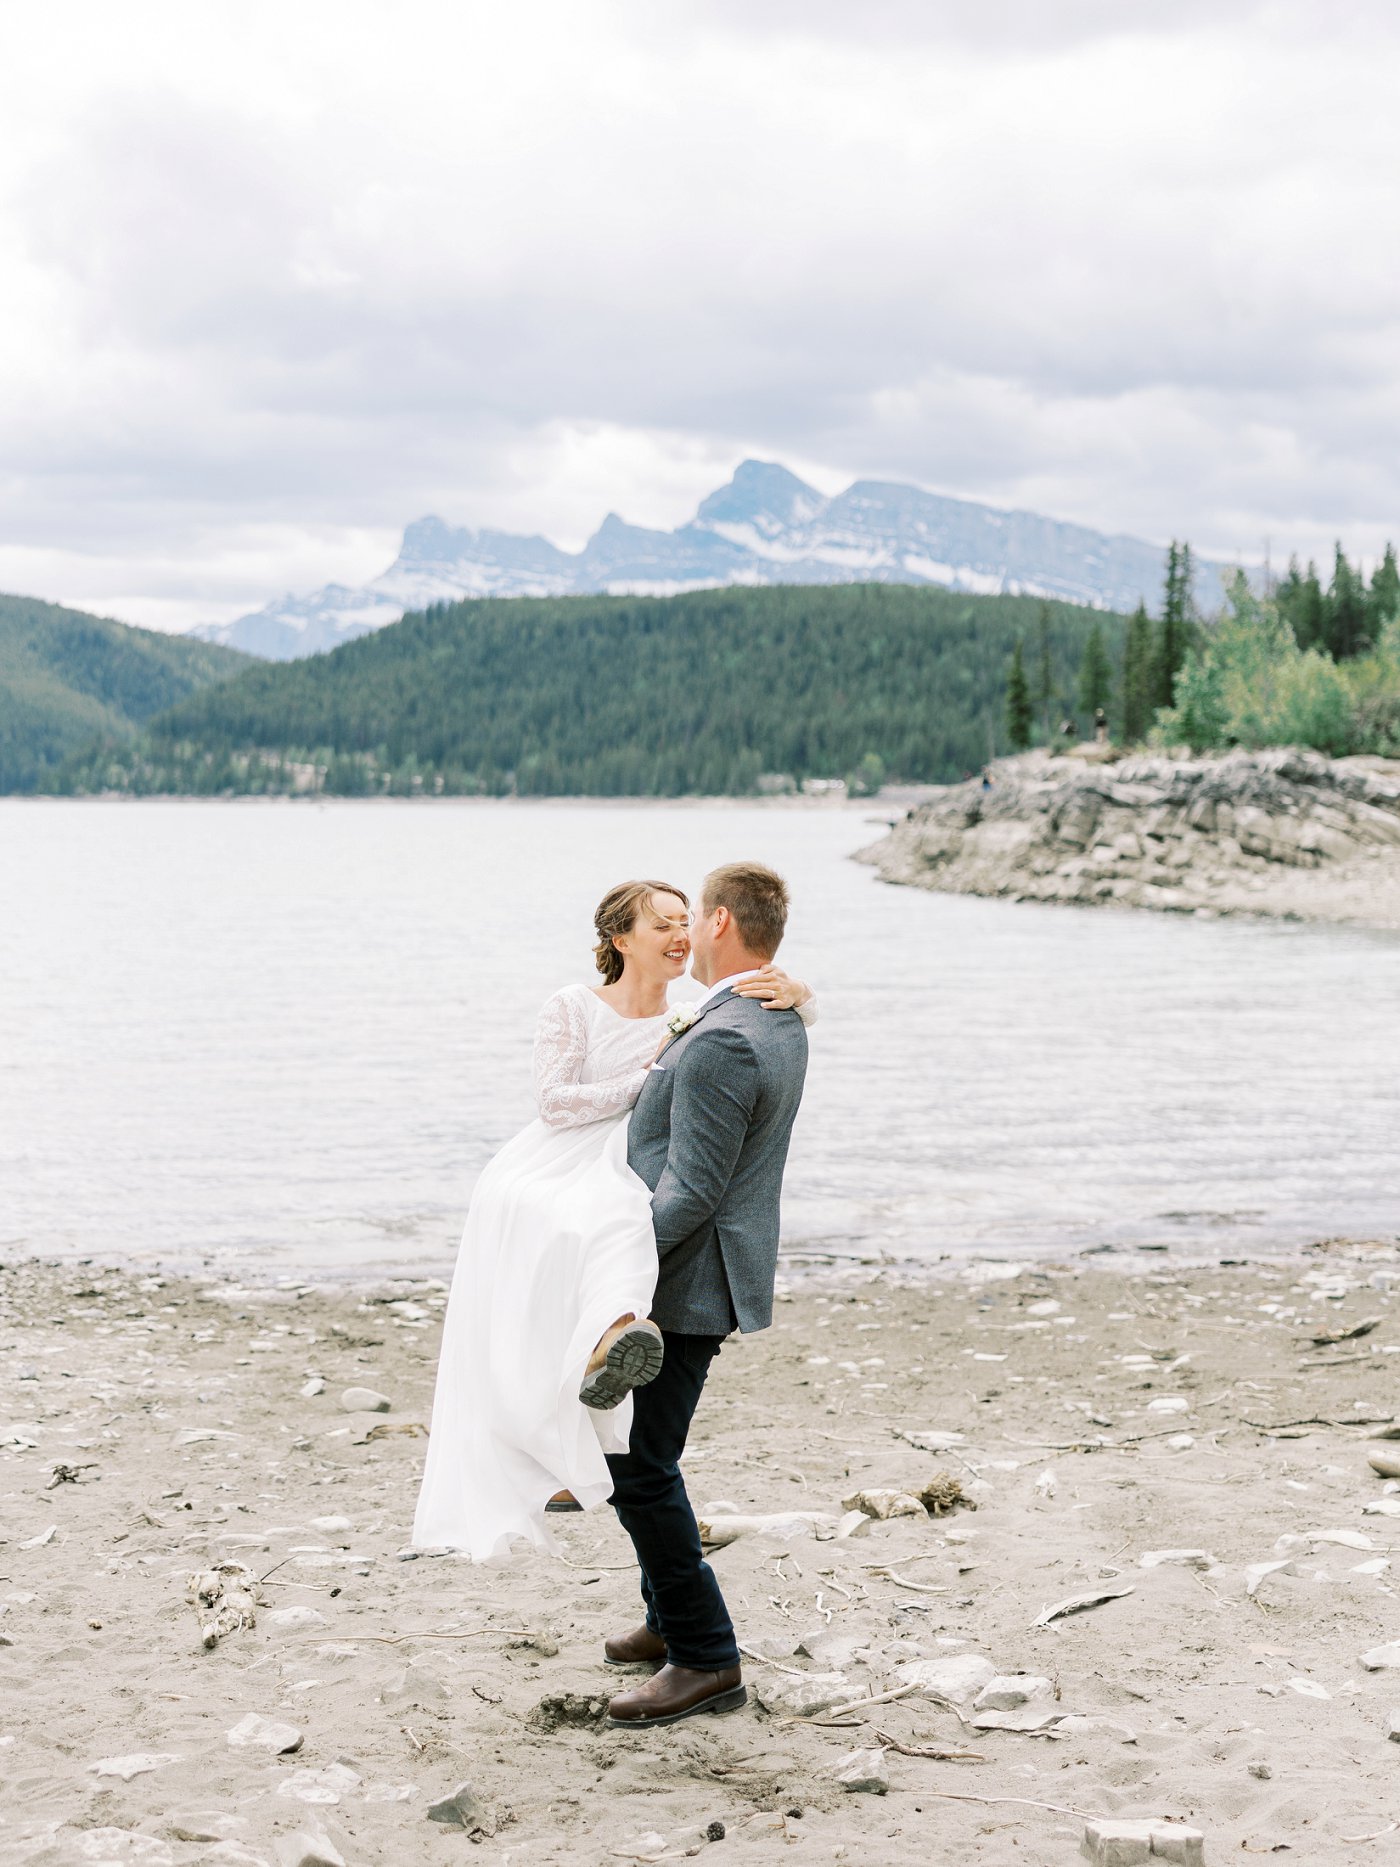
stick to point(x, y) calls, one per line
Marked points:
point(558, 1244)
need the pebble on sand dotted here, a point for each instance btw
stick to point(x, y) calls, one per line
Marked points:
point(136, 1764)
point(305, 1849)
point(207, 1825)
point(1109, 1842)
point(1009, 1691)
point(298, 1615)
point(862, 1772)
point(364, 1400)
point(411, 1685)
point(325, 1786)
point(958, 1678)
point(254, 1732)
point(463, 1809)
point(802, 1696)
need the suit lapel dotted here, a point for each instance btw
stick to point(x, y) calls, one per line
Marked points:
point(703, 1012)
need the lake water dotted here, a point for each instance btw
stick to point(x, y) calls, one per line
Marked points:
point(285, 1037)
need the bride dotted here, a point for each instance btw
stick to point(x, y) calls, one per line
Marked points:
point(558, 1263)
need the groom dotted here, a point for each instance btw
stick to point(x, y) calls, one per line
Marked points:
point(709, 1135)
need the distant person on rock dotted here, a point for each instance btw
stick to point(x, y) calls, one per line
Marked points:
point(608, 1251)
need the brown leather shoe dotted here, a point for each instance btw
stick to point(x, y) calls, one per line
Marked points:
point(639, 1648)
point(678, 1692)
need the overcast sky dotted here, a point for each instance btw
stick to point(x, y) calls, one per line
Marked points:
point(278, 279)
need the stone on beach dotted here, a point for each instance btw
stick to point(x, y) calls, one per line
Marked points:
point(308, 1849)
point(465, 1809)
point(254, 1732)
point(364, 1400)
point(1109, 1842)
point(312, 1387)
point(958, 1678)
point(207, 1825)
point(412, 1686)
point(137, 1763)
point(1382, 1659)
point(1385, 1464)
point(790, 1695)
point(1009, 1691)
point(1258, 1573)
point(832, 1650)
point(298, 1615)
point(854, 1523)
point(1080, 1724)
point(326, 1785)
point(862, 1772)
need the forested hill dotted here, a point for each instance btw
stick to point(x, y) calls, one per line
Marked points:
point(617, 696)
point(65, 676)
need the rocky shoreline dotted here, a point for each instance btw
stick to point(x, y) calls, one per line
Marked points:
point(1286, 833)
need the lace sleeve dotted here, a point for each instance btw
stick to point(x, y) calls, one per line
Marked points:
point(808, 1011)
point(561, 1043)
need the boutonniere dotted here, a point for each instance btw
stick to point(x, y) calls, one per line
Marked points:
point(681, 1020)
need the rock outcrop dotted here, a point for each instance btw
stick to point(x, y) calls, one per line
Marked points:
point(1278, 832)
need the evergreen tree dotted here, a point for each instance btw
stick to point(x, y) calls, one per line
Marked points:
point(1289, 593)
point(1044, 668)
point(1138, 677)
point(1177, 627)
point(1383, 598)
point(1346, 617)
point(1303, 606)
point(1018, 702)
point(1095, 674)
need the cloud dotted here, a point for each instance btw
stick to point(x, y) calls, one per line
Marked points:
point(279, 282)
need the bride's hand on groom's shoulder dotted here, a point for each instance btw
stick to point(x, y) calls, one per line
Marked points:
point(774, 989)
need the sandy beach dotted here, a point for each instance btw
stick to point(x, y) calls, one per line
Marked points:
point(1104, 1414)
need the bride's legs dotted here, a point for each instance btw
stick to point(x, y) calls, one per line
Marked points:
point(606, 1340)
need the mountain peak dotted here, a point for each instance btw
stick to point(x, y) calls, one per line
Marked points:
point(762, 494)
point(433, 540)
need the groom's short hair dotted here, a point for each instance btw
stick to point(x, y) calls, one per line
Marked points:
point(756, 896)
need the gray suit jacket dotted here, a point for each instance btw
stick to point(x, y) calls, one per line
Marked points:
point(709, 1135)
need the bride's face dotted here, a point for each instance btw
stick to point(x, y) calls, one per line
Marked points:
point(658, 942)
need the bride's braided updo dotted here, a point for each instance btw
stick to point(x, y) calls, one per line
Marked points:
point(617, 914)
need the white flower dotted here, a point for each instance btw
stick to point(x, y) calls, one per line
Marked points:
point(681, 1020)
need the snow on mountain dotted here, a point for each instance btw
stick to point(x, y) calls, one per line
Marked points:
point(765, 527)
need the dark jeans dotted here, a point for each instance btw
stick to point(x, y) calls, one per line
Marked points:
point(682, 1597)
